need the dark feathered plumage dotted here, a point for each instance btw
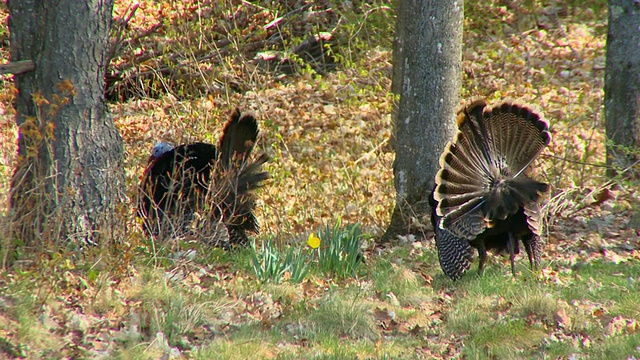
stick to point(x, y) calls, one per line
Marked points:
point(199, 183)
point(482, 198)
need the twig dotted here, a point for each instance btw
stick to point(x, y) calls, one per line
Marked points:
point(116, 45)
point(574, 161)
point(278, 20)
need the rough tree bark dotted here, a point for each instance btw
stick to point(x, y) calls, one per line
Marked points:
point(427, 76)
point(69, 177)
point(622, 85)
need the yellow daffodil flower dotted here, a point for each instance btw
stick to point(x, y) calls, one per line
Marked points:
point(313, 241)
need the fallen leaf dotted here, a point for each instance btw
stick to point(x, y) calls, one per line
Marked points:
point(383, 315)
point(603, 196)
point(562, 319)
point(416, 330)
point(615, 326)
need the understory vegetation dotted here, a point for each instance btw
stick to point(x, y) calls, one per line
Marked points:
point(315, 283)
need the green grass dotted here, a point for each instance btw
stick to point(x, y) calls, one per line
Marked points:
point(505, 318)
point(399, 283)
point(224, 309)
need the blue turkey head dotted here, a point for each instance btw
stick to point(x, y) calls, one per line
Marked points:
point(160, 149)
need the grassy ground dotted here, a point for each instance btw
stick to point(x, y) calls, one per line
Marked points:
point(328, 137)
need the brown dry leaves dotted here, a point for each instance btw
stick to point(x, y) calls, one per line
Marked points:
point(328, 145)
point(589, 225)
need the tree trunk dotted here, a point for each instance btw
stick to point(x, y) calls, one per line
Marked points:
point(69, 177)
point(427, 75)
point(622, 85)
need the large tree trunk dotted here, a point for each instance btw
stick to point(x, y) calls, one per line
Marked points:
point(69, 177)
point(622, 85)
point(427, 76)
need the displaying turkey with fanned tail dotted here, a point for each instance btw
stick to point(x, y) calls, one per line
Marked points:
point(483, 199)
point(204, 190)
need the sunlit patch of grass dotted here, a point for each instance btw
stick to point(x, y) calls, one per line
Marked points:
point(489, 326)
point(513, 318)
point(163, 306)
point(287, 294)
point(247, 344)
point(30, 318)
point(536, 303)
point(399, 284)
point(106, 297)
point(345, 349)
point(502, 339)
point(617, 347)
point(460, 321)
point(337, 316)
point(604, 281)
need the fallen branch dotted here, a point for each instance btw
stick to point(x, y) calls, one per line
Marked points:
point(17, 67)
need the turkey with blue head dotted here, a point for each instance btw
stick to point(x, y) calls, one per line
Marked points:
point(204, 190)
point(483, 198)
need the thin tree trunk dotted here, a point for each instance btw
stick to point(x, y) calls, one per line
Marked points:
point(69, 178)
point(622, 85)
point(427, 76)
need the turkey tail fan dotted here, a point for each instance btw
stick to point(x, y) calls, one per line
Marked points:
point(240, 200)
point(479, 179)
point(516, 134)
point(514, 193)
point(238, 137)
point(251, 176)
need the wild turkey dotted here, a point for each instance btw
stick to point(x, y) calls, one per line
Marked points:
point(185, 184)
point(482, 198)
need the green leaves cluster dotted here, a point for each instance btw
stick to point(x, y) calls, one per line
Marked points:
point(337, 255)
point(271, 264)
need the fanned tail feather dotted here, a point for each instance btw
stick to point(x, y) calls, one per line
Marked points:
point(240, 200)
point(516, 134)
point(238, 137)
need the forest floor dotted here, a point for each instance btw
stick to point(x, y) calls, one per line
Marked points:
point(326, 125)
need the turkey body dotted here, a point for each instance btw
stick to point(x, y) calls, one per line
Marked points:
point(483, 199)
point(203, 189)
